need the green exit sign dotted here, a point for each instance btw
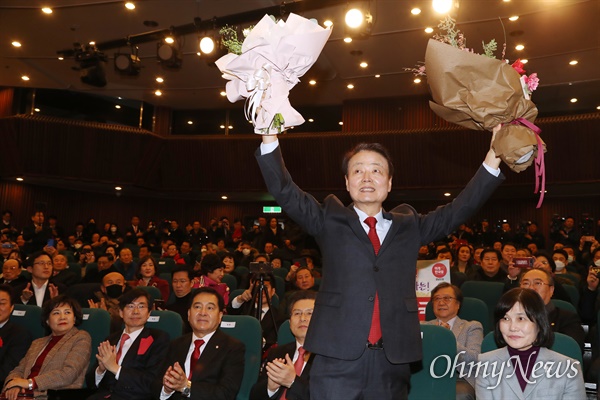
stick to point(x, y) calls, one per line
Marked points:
point(271, 210)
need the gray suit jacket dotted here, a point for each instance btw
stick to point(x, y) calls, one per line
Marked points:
point(353, 274)
point(565, 381)
point(469, 335)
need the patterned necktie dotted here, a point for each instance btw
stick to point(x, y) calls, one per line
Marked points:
point(375, 332)
point(124, 338)
point(298, 364)
point(195, 356)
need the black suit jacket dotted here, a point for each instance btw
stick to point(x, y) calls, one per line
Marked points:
point(138, 371)
point(15, 342)
point(218, 373)
point(353, 274)
point(567, 322)
point(298, 390)
point(32, 301)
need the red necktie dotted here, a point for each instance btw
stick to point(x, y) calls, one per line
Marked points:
point(195, 356)
point(124, 338)
point(298, 364)
point(375, 332)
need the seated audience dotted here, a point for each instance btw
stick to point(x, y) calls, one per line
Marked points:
point(545, 262)
point(11, 275)
point(61, 274)
point(125, 264)
point(113, 286)
point(39, 289)
point(57, 361)
point(147, 277)
point(105, 265)
point(206, 363)
point(182, 282)
point(173, 254)
point(561, 320)
point(447, 300)
point(523, 335)
point(15, 339)
point(128, 361)
point(211, 275)
point(287, 370)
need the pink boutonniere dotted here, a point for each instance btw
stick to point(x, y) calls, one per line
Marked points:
point(145, 343)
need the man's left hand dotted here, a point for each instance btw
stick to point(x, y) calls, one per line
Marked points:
point(282, 371)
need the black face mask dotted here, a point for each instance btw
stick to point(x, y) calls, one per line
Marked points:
point(114, 291)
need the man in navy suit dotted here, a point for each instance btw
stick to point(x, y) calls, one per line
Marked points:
point(205, 364)
point(365, 331)
point(14, 339)
point(279, 377)
point(129, 361)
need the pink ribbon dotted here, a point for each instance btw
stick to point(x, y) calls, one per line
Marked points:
point(540, 166)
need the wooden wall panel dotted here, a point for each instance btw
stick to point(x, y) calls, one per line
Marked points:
point(6, 101)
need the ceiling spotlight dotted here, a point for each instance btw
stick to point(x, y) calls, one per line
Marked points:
point(222, 126)
point(118, 188)
point(513, 18)
point(168, 53)
point(190, 122)
point(363, 64)
point(118, 107)
point(207, 45)
point(224, 197)
point(417, 80)
point(230, 127)
point(92, 43)
point(573, 100)
point(223, 93)
point(415, 11)
point(350, 86)
point(377, 76)
point(47, 10)
point(60, 58)
point(25, 77)
point(36, 110)
point(524, 60)
point(128, 63)
point(130, 6)
point(312, 82)
point(442, 6)
point(447, 194)
point(598, 108)
point(327, 23)
point(91, 65)
point(16, 44)
point(358, 23)
point(573, 62)
point(311, 120)
point(158, 93)
point(519, 47)
point(20, 179)
point(159, 79)
point(428, 29)
point(340, 123)
point(348, 39)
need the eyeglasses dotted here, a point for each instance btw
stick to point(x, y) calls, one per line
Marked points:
point(136, 306)
point(535, 284)
point(42, 263)
point(443, 299)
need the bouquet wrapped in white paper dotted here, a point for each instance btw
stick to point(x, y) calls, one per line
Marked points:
point(274, 57)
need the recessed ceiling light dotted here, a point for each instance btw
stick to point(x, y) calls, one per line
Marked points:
point(169, 40)
point(190, 122)
point(130, 6)
point(417, 80)
point(20, 179)
point(574, 100)
point(158, 93)
point(513, 18)
point(222, 126)
point(348, 39)
point(36, 109)
point(223, 93)
point(447, 194)
point(524, 60)
point(311, 120)
point(363, 64)
point(519, 47)
point(312, 82)
point(198, 54)
point(573, 62)
point(118, 188)
point(25, 77)
point(159, 79)
point(341, 123)
point(428, 29)
point(442, 6)
point(92, 43)
point(117, 106)
point(230, 127)
point(47, 10)
point(598, 108)
point(16, 43)
point(506, 1)
point(328, 23)
point(377, 76)
point(119, 97)
point(350, 86)
point(60, 58)
point(224, 197)
point(415, 11)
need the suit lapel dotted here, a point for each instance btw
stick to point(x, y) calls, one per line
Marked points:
point(133, 349)
point(394, 228)
point(212, 349)
point(356, 226)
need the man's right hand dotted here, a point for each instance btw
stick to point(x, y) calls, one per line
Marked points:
point(27, 293)
point(592, 280)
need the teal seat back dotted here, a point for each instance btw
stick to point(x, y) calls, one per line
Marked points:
point(30, 317)
point(230, 281)
point(152, 291)
point(470, 310)
point(280, 272)
point(280, 287)
point(168, 321)
point(246, 329)
point(565, 305)
point(563, 344)
point(165, 265)
point(488, 292)
point(96, 322)
point(284, 334)
point(437, 341)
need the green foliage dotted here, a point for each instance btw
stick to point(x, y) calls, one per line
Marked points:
point(490, 48)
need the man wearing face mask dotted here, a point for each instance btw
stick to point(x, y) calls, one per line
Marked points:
point(112, 287)
point(561, 259)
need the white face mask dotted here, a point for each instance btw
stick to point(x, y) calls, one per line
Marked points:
point(570, 259)
point(597, 263)
point(559, 265)
point(246, 252)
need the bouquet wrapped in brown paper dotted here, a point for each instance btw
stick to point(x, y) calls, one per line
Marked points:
point(479, 92)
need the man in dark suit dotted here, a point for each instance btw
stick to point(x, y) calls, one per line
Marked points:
point(129, 361)
point(39, 289)
point(133, 231)
point(14, 339)
point(11, 275)
point(366, 328)
point(285, 373)
point(37, 234)
point(206, 364)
